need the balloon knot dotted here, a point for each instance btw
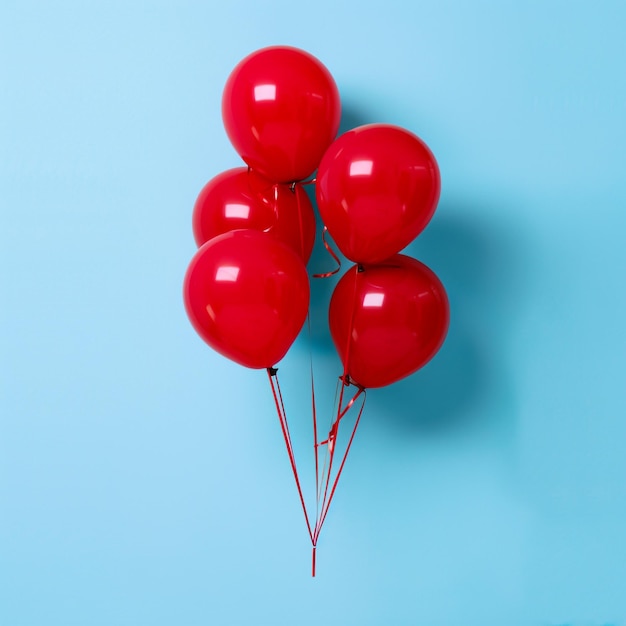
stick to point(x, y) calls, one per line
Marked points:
point(347, 381)
point(272, 371)
point(360, 268)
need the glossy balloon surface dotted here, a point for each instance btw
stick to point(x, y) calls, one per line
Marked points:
point(247, 296)
point(377, 188)
point(388, 320)
point(239, 199)
point(281, 110)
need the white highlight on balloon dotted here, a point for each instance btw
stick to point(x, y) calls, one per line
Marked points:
point(361, 168)
point(373, 299)
point(264, 92)
point(241, 211)
point(227, 274)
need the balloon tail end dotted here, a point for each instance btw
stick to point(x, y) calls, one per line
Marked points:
point(313, 563)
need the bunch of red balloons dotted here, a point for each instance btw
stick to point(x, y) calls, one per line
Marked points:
point(246, 290)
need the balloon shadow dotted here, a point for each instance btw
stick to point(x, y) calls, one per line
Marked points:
point(353, 116)
point(468, 384)
point(474, 251)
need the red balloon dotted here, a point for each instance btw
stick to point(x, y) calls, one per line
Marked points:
point(388, 320)
point(239, 198)
point(377, 188)
point(281, 111)
point(247, 296)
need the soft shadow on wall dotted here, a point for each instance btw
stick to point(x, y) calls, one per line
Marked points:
point(474, 244)
point(469, 384)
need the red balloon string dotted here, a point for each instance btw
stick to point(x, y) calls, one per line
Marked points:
point(282, 415)
point(324, 231)
point(294, 186)
point(346, 376)
point(332, 253)
point(314, 415)
point(326, 480)
point(332, 435)
point(301, 225)
point(315, 444)
point(330, 442)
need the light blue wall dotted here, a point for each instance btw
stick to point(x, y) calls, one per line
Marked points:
point(143, 480)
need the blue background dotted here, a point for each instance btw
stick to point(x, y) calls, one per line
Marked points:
point(143, 479)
